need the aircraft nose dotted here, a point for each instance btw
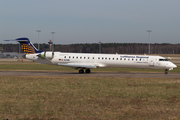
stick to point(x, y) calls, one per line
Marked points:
point(172, 66)
point(175, 66)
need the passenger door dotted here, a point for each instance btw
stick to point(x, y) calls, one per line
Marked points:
point(151, 63)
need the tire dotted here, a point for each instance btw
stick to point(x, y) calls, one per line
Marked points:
point(88, 70)
point(81, 71)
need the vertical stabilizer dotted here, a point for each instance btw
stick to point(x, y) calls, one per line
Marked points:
point(26, 46)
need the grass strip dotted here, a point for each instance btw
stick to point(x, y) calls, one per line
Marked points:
point(56, 98)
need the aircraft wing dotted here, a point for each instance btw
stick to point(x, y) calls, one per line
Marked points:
point(44, 61)
point(78, 65)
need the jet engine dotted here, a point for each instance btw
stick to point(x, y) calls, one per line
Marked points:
point(48, 55)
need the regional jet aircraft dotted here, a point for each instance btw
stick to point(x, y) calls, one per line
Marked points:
point(86, 61)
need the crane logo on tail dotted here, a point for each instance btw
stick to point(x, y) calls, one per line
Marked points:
point(28, 49)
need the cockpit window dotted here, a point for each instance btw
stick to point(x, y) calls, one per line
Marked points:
point(163, 60)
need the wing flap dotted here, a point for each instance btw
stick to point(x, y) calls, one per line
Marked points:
point(78, 65)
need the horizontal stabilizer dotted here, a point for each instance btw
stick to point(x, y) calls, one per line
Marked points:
point(19, 40)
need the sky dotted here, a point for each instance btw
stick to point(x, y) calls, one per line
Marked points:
point(91, 21)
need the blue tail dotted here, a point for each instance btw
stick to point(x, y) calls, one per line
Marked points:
point(26, 45)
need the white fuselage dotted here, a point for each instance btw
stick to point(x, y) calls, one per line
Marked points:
point(87, 60)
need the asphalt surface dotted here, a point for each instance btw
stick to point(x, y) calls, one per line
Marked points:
point(93, 74)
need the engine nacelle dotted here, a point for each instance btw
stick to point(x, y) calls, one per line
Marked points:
point(48, 55)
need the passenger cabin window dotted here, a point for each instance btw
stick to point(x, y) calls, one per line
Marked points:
point(113, 58)
point(109, 58)
point(64, 56)
point(73, 57)
point(93, 57)
point(69, 56)
point(120, 58)
point(98, 57)
point(80, 57)
point(84, 57)
point(106, 58)
point(76, 57)
point(102, 58)
point(116, 58)
point(88, 57)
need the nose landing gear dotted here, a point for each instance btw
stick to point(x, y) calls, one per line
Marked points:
point(166, 71)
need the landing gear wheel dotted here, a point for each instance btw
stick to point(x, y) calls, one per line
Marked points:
point(88, 71)
point(166, 71)
point(81, 71)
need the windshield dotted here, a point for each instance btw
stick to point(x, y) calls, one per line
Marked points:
point(163, 59)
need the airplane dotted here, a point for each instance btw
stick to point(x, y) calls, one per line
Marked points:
point(86, 61)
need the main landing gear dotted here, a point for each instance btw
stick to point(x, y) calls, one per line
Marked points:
point(166, 71)
point(81, 71)
point(87, 71)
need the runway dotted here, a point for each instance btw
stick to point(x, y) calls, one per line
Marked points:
point(93, 74)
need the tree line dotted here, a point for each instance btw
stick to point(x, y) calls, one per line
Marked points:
point(120, 48)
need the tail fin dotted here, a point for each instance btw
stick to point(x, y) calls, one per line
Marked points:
point(26, 45)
